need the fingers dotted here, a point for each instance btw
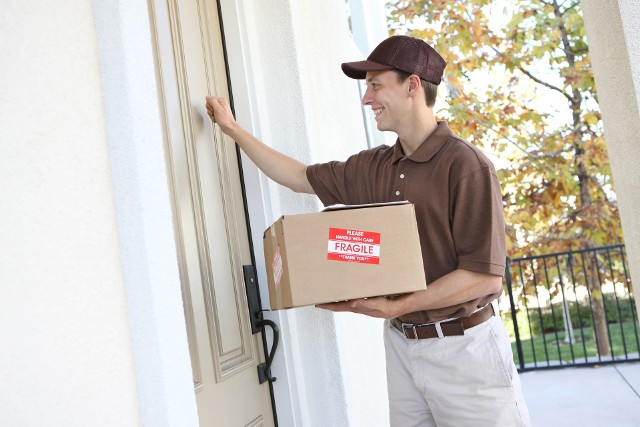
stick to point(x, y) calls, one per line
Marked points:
point(212, 102)
point(216, 101)
point(217, 106)
point(375, 307)
point(355, 306)
point(336, 306)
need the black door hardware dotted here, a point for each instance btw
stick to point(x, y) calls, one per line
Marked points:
point(258, 323)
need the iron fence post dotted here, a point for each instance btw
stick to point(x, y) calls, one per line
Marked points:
point(513, 315)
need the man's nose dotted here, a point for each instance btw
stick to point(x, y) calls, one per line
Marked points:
point(367, 98)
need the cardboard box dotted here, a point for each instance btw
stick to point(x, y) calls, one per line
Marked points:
point(343, 253)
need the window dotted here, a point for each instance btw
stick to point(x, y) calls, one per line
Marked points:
point(368, 25)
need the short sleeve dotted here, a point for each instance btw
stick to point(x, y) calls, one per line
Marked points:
point(344, 182)
point(478, 225)
point(328, 182)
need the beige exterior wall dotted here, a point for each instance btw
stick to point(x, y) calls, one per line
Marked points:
point(613, 31)
point(66, 357)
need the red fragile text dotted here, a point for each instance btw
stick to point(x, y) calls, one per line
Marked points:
point(353, 246)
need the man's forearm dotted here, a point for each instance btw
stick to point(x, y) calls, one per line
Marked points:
point(454, 288)
point(281, 168)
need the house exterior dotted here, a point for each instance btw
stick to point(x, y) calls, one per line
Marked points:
point(127, 218)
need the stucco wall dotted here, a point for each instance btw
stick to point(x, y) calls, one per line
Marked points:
point(283, 103)
point(66, 357)
point(613, 31)
point(144, 216)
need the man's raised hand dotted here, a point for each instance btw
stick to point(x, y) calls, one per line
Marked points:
point(220, 112)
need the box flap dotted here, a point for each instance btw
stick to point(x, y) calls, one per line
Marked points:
point(271, 228)
point(366, 205)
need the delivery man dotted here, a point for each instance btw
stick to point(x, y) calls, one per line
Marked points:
point(449, 360)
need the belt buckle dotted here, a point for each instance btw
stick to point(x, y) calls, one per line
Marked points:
point(410, 326)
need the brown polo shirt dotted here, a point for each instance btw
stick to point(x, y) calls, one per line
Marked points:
point(457, 198)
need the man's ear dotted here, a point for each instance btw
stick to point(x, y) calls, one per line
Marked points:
point(414, 84)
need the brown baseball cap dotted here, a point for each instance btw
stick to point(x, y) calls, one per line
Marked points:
point(403, 53)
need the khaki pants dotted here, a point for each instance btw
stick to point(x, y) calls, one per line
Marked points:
point(455, 381)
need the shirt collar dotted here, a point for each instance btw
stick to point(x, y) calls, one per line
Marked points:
point(429, 146)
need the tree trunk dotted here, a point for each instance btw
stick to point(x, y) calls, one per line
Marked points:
point(569, 337)
point(600, 326)
point(580, 171)
point(597, 306)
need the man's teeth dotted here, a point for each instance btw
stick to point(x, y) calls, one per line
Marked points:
point(377, 111)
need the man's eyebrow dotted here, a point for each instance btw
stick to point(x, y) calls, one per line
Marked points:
point(371, 80)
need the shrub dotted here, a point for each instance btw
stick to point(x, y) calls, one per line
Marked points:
point(548, 319)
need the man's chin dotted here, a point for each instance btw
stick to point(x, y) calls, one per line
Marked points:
point(381, 126)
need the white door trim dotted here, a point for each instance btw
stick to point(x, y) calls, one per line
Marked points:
point(260, 206)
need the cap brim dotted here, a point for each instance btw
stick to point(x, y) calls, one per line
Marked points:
point(359, 69)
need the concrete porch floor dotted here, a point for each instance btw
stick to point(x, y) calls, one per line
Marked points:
point(608, 395)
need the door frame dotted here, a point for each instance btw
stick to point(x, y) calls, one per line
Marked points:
point(260, 268)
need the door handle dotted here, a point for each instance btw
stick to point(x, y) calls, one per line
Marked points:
point(258, 323)
point(264, 369)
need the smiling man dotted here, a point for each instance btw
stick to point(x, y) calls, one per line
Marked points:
point(449, 360)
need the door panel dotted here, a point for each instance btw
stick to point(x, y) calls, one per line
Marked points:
point(211, 235)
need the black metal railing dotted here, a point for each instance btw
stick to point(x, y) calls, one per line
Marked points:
point(571, 308)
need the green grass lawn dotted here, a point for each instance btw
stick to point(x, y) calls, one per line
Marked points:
point(552, 347)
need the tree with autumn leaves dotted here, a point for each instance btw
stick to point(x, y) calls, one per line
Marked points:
point(519, 84)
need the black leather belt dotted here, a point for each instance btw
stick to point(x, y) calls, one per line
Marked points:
point(447, 329)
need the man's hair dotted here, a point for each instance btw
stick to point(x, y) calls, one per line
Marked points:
point(430, 90)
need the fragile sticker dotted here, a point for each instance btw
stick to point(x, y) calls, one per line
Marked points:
point(276, 267)
point(353, 246)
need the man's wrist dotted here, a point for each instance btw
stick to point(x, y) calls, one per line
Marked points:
point(406, 304)
point(232, 129)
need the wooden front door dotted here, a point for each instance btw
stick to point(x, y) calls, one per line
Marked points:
point(209, 217)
